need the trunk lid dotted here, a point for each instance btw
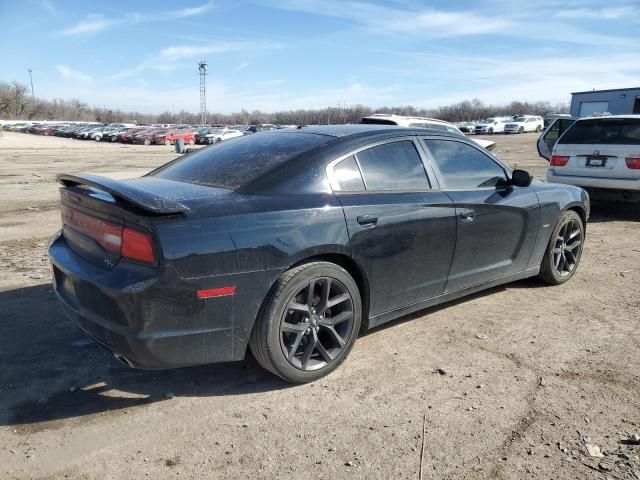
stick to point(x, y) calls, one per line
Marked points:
point(598, 160)
point(98, 212)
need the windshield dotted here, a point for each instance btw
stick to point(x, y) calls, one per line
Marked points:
point(520, 119)
point(235, 164)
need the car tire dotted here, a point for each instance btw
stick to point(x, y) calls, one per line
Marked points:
point(167, 142)
point(97, 138)
point(192, 142)
point(490, 131)
point(564, 251)
point(147, 141)
point(538, 129)
point(315, 345)
point(521, 130)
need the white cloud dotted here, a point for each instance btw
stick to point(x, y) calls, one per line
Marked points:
point(606, 13)
point(170, 58)
point(95, 23)
point(88, 25)
point(67, 72)
point(502, 19)
point(242, 66)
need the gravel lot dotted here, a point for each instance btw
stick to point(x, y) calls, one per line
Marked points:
point(533, 379)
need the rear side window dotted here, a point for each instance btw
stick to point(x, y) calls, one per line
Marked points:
point(393, 166)
point(232, 165)
point(347, 175)
point(464, 167)
point(607, 131)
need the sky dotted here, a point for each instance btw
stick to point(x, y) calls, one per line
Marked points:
point(275, 55)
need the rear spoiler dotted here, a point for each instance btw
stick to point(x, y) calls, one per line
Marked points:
point(123, 191)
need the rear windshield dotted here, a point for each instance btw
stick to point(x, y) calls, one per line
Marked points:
point(609, 131)
point(238, 162)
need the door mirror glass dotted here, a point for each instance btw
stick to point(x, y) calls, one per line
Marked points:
point(521, 178)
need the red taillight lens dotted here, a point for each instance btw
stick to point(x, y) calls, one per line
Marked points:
point(106, 233)
point(137, 245)
point(559, 160)
point(633, 162)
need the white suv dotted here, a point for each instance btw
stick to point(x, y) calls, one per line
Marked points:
point(492, 125)
point(600, 154)
point(525, 123)
point(422, 122)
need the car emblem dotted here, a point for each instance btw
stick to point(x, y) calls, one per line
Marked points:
point(596, 153)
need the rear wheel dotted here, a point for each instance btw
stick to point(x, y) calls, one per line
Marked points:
point(309, 323)
point(97, 138)
point(538, 129)
point(564, 251)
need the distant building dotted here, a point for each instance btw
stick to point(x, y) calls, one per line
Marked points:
point(618, 101)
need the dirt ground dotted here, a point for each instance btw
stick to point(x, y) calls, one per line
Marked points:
point(532, 377)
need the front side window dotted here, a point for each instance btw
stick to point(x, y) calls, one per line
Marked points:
point(463, 166)
point(393, 166)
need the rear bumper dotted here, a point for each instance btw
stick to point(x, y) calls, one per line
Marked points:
point(153, 317)
point(630, 184)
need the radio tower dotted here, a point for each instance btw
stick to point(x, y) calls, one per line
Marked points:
point(202, 68)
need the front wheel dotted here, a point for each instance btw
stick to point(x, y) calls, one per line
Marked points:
point(538, 129)
point(521, 130)
point(167, 142)
point(491, 131)
point(309, 324)
point(564, 251)
point(192, 141)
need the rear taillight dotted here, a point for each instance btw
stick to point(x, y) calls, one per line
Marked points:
point(137, 245)
point(107, 234)
point(559, 160)
point(127, 242)
point(633, 162)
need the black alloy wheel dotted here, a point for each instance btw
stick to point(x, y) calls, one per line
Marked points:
point(316, 325)
point(568, 248)
point(564, 250)
point(309, 322)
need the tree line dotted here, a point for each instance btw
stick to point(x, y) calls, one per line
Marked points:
point(16, 103)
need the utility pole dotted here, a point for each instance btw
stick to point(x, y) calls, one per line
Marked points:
point(33, 95)
point(202, 68)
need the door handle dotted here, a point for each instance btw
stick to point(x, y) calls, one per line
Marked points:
point(368, 220)
point(467, 215)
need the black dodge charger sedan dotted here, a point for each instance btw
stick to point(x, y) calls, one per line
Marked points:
point(290, 242)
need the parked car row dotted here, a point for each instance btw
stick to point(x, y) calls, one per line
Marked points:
point(508, 124)
point(140, 134)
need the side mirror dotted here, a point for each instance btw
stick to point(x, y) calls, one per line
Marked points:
point(521, 178)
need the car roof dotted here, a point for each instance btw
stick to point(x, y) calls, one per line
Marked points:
point(603, 117)
point(363, 130)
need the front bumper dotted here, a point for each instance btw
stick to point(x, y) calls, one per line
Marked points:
point(151, 317)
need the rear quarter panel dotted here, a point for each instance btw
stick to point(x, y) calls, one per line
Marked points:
point(248, 242)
